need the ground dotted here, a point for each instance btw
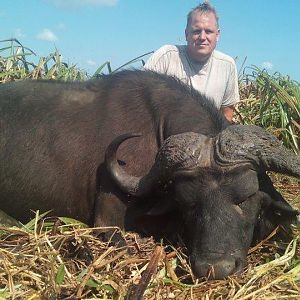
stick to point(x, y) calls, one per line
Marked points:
point(51, 260)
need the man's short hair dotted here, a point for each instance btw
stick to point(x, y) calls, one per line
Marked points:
point(204, 7)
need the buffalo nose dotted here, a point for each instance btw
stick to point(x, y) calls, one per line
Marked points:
point(217, 269)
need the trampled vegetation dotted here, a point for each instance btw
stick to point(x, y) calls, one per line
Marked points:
point(59, 258)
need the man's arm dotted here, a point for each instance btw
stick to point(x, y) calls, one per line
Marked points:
point(231, 96)
point(228, 112)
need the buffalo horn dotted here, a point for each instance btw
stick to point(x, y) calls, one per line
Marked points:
point(135, 186)
point(179, 153)
point(252, 144)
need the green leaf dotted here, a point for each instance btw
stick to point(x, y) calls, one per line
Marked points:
point(4, 293)
point(60, 275)
point(108, 288)
point(30, 225)
point(93, 283)
point(71, 221)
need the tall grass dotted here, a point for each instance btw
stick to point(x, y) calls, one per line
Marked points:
point(273, 102)
point(107, 64)
point(19, 62)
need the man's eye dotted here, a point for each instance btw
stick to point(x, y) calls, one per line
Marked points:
point(197, 32)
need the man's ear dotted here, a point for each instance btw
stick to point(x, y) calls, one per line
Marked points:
point(218, 35)
point(186, 34)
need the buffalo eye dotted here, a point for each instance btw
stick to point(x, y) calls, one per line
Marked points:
point(242, 186)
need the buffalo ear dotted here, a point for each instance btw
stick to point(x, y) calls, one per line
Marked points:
point(273, 200)
point(279, 207)
point(160, 208)
point(274, 213)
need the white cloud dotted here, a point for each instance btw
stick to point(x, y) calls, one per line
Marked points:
point(19, 34)
point(80, 3)
point(47, 35)
point(61, 26)
point(91, 62)
point(267, 65)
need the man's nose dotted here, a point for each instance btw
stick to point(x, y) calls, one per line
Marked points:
point(202, 35)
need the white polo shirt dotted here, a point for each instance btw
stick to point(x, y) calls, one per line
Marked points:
point(217, 78)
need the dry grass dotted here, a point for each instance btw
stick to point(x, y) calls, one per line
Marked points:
point(57, 261)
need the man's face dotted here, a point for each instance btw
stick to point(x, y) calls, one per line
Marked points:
point(202, 35)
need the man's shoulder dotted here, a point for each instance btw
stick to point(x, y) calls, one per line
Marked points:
point(167, 59)
point(222, 57)
point(170, 49)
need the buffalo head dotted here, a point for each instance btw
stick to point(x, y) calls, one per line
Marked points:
point(220, 188)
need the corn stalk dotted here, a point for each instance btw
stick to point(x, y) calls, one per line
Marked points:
point(273, 102)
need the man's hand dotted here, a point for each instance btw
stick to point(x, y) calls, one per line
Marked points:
point(228, 112)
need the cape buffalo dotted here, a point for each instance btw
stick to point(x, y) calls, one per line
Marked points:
point(183, 169)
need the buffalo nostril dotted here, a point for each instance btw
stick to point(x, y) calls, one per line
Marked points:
point(217, 269)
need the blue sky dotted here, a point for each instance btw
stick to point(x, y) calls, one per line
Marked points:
point(90, 32)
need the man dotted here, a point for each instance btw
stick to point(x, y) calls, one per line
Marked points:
point(198, 64)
